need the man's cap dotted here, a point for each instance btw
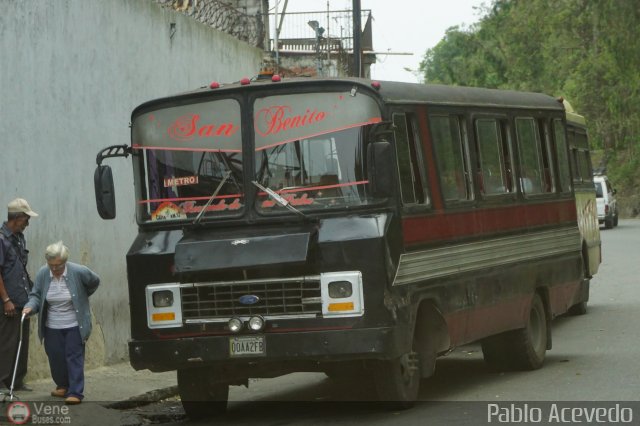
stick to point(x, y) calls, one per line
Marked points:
point(20, 205)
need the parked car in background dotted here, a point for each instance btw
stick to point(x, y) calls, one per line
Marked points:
point(606, 202)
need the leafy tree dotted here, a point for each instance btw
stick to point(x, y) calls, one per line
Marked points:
point(585, 50)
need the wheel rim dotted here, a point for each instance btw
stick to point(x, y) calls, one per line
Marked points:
point(537, 328)
point(409, 366)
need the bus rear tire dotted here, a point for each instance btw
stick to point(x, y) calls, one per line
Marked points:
point(397, 380)
point(580, 308)
point(201, 394)
point(521, 349)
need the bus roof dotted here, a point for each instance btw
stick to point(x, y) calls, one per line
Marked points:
point(392, 92)
point(438, 94)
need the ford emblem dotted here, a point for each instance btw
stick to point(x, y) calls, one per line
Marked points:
point(249, 299)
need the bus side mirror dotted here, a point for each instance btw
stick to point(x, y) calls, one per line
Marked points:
point(105, 196)
point(380, 168)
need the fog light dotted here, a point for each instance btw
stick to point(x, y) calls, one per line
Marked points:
point(235, 325)
point(340, 307)
point(163, 316)
point(162, 299)
point(256, 323)
point(340, 289)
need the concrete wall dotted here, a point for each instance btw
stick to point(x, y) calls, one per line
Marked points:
point(70, 74)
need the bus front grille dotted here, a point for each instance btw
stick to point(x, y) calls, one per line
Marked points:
point(299, 296)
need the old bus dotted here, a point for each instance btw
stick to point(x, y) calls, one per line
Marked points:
point(347, 226)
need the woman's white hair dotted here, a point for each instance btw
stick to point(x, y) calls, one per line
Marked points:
point(56, 251)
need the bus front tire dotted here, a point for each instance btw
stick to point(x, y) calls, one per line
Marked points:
point(398, 380)
point(201, 394)
point(521, 349)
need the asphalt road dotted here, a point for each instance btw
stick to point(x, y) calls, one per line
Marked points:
point(594, 365)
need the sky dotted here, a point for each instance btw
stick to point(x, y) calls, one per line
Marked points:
point(401, 26)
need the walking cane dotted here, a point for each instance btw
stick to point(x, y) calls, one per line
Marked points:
point(11, 396)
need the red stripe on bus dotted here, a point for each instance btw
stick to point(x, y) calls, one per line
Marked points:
point(450, 226)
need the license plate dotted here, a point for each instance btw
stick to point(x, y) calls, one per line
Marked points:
point(247, 346)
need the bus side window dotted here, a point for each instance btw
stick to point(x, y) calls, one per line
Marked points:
point(584, 156)
point(494, 157)
point(410, 159)
point(573, 156)
point(549, 177)
point(450, 144)
point(580, 155)
point(531, 170)
point(562, 155)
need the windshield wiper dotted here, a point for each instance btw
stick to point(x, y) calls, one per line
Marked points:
point(279, 199)
point(215, 193)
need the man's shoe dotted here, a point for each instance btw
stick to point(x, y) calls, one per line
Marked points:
point(59, 392)
point(72, 400)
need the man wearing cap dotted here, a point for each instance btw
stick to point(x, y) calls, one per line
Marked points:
point(15, 286)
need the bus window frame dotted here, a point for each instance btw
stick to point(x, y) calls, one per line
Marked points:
point(505, 132)
point(467, 157)
point(411, 117)
point(560, 184)
point(538, 134)
point(547, 144)
point(579, 151)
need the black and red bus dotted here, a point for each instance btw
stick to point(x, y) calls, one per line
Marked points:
point(347, 226)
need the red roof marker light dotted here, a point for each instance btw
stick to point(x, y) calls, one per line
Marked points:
point(245, 81)
point(214, 85)
point(276, 78)
point(376, 85)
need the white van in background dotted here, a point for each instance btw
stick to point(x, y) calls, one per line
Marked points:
point(606, 202)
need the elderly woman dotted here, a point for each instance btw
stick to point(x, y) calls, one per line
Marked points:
point(60, 296)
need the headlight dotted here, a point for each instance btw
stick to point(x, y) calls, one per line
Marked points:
point(256, 323)
point(235, 325)
point(164, 305)
point(340, 289)
point(162, 299)
point(342, 294)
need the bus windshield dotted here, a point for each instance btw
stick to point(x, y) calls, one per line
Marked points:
point(186, 151)
point(315, 173)
point(309, 148)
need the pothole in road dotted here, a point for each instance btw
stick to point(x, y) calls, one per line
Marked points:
point(165, 411)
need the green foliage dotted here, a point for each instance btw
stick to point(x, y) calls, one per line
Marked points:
point(585, 50)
